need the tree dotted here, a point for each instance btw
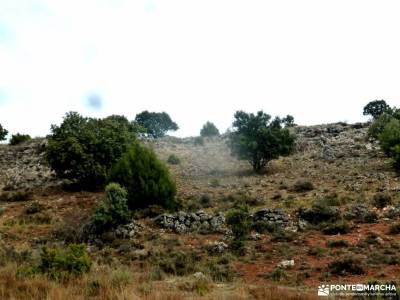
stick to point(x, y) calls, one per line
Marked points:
point(156, 124)
point(376, 108)
point(84, 149)
point(288, 121)
point(145, 177)
point(3, 133)
point(258, 139)
point(209, 129)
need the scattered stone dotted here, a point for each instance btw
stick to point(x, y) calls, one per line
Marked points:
point(216, 247)
point(286, 264)
point(128, 231)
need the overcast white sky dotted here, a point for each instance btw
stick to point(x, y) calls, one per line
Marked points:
point(198, 60)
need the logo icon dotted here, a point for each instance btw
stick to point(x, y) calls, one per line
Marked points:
point(323, 290)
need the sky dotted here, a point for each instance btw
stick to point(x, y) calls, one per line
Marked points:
point(199, 60)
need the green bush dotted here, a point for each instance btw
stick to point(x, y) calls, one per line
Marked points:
point(173, 160)
point(394, 228)
point(381, 200)
point(320, 212)
point(258, 139)
point(390, 136)
point(19, 138)
point(63, 263)
point(113, 211)
point(338, 227)
point(3, 133)
point(377, 127)
point(198, 141)
point(337, 244)
point(238, 220)
point(209, 129)
point(347, 265)
point(146, 179)
point(303, 185)
point(156, 124)
point(376, 108)
point(83, 149)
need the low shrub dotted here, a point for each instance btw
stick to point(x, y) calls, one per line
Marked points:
point(303, 185)
point(348, 265)
point(238, 220)
point(173, 160)
point(337, 244)
point(34, 208)
point(17, 139)
point(316, 251)
point(198, 141)
point(214, 182)
point(175, 263)
point(320, 212)
point(200, 284)
point(16, 196)
point(394, 228)
point(276, 275)
point(205, 200)
point(338, 227)
point(381, 200)
point(64, 263)
point(281, 235)
point(220, 269)
point(113, 211)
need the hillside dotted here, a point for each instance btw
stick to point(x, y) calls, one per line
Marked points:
point(163, 255)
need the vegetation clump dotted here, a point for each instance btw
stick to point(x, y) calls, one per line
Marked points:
point(259, 139)
point(320, 212)
point(238, 220)
point(18, 138)
point(145, 177)
point(173, 160)
point(382, 200)
point(114, 209)
point(84, 149)
point(208, 130)
point(64, 263)
point(347, 265)
point(303, 185)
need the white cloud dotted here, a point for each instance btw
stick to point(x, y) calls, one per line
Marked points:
point(198, 60)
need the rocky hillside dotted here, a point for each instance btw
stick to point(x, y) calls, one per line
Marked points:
point(336, 175)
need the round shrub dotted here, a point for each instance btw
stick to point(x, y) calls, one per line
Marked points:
point(173, 160)
point(113, 211)
point(146, 179)
point(382, 200)
point(84, 149)
point(19, 138)
point(303, 185)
